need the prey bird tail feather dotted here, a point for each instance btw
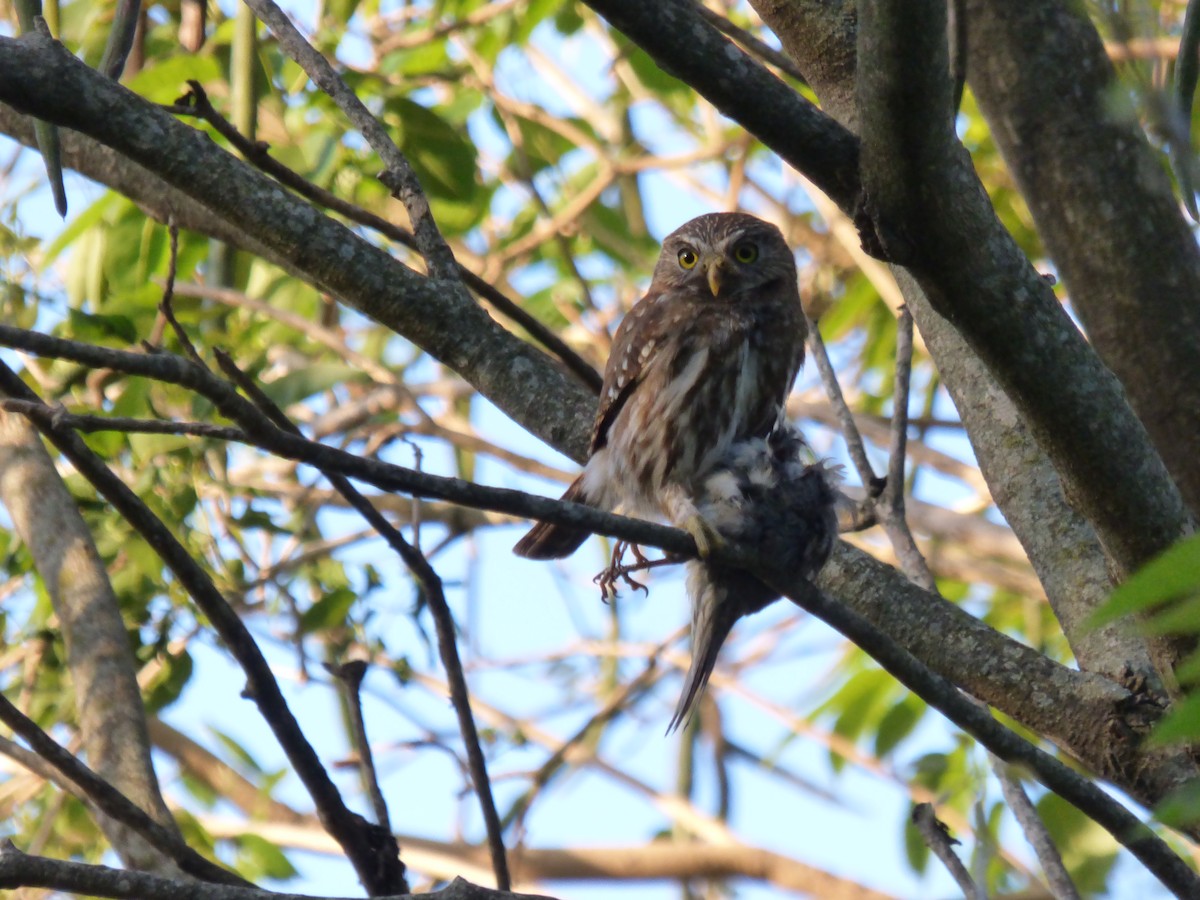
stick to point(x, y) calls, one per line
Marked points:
point(720, 596)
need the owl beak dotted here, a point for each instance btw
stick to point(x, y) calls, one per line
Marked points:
point(715, 270)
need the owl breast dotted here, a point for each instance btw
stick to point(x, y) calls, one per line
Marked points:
point(718, 381)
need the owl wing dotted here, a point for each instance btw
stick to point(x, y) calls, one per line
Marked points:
point(633, 349)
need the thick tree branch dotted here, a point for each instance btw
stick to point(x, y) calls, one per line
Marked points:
point(1131, 832)
point(1072, 571)
point(927, 206)
point(40, 77)
point(1102, 204)
point(1084, 714)
point(694, 51)
point(196, 102)
point(1101, 452)
point(1061, 545)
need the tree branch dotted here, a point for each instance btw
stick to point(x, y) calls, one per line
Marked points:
point(112, 802)
point(1103, 205)
point(18, 869)
point(40, 77)
point(108, 702)
point(685, 45)
point(1128, 830)
point(926, 204)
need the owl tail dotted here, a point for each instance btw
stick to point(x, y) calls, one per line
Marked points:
point(546, 540)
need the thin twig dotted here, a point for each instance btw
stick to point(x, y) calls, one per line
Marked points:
point(350, 676)
point(361, 840)
point(618, 701)
point(1151, 850)
point(936, 836)
point(854, 441)
point(763, 51)
point(89, 423)
point(890, 506)
point(173, 369)
point(166, 305)
point(399, 176)
point(1035, 832)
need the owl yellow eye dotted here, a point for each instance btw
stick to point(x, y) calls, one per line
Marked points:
point(688, 258)
point(745, 252)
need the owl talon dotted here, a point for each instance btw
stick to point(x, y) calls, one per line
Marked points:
point(618, 571)
point(707, 537)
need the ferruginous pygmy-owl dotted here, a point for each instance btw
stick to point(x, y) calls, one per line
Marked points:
point(763, 495)
point(704, 360)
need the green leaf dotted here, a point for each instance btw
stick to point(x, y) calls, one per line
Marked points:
point(1181, 807)
point(1181, 724)
point(237, 751)
point(898, 723)
point(1173, 574)
point(147, 447)
point(86, 220)
point(165, 81)
point(1088, 851)
point(330, 611)
point(304, 383)
point(444, 160)
point(915, 848)
point(258, 858)
point(173, 674)
point(101, 329)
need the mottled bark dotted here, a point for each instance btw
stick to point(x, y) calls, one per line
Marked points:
point(1103, 205)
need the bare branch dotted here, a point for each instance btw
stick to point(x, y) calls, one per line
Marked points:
point(1035, 833)
point(113, 802)
point(20, 870)
point(937, 838)
point(361, 840)
point(1125, 827)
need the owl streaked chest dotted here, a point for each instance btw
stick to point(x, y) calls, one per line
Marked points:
point(718, 378)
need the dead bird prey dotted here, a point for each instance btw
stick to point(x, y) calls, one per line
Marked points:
point(762, 494)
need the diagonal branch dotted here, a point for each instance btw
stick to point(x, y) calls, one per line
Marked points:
point(1129, 831)
point(112, 802)
point(399, 177)
point(431, 588)
point(196, 102)
point(40, 77)
point(999, 303)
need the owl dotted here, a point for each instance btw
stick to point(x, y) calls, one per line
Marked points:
point(703, 361)
point(761, 494)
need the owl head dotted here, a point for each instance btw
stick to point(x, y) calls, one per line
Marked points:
point(721, 256)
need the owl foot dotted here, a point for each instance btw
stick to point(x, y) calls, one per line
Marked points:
point(707, 537)
point(618, 571)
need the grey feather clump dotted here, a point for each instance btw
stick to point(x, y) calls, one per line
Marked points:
point(763, 495)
